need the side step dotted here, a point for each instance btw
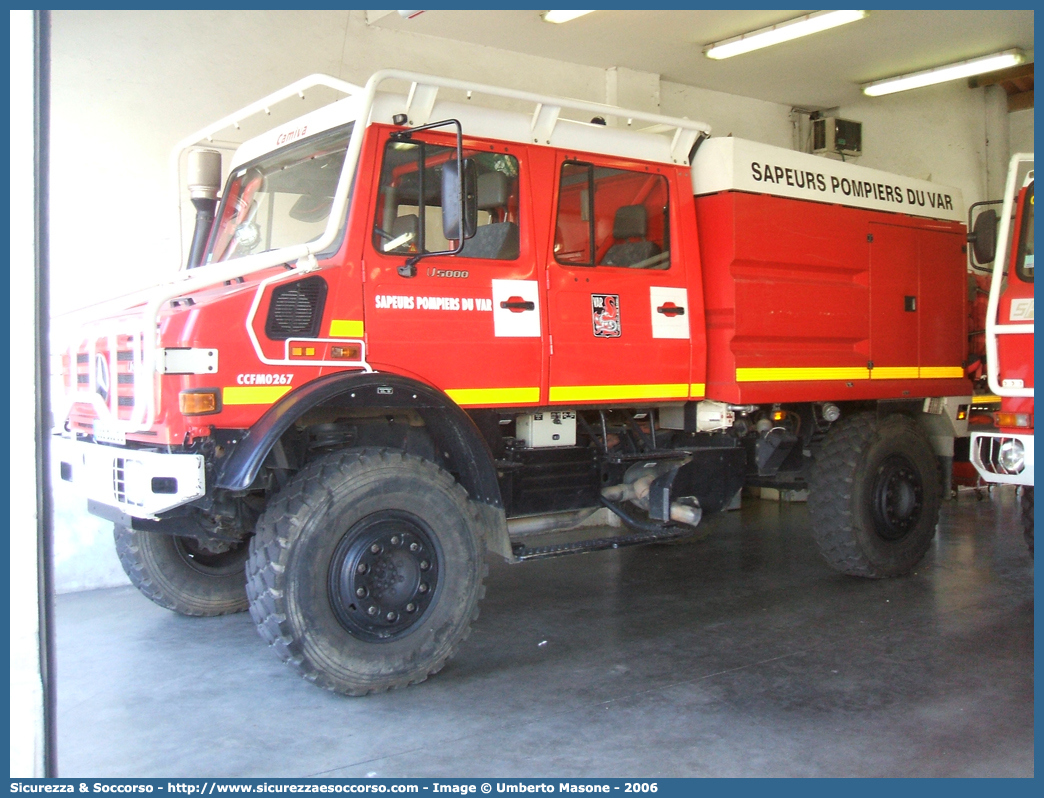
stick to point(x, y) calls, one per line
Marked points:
point(523, 552)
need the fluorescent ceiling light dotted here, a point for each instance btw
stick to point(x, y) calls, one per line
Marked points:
point(783, 32)
point(962, 69)
point(563, 16)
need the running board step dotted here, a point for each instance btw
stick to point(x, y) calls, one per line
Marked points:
point(523, 552)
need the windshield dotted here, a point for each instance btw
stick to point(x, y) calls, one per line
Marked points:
point(281, 199)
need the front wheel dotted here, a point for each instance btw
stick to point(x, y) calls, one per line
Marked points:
point(874, 495)
point(184, 574)
point(366, 570)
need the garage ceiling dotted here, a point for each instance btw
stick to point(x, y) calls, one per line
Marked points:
point(824, 70)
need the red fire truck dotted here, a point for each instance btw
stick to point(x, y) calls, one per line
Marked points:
point(1006, 456)
point(415, 328)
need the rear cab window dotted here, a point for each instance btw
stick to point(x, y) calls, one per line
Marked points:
point(612, 217)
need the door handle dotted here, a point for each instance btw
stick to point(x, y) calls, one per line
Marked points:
point(516, 304)
point(670, 309)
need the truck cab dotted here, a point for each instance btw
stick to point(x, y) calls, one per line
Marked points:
point(1006, 456)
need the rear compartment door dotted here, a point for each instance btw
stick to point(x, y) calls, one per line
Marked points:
point(894, 298)
point(618, 307)
point(917, 303)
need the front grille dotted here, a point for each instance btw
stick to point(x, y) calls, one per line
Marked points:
point(116, 390)
point(296, 310)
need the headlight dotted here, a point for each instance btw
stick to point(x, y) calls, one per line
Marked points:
point(1012, 456)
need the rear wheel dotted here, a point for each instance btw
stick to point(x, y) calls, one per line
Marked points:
point(874, 495)
point(366, 570)
point(1027, 516)
point(184, 574)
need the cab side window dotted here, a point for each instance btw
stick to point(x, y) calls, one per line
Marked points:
point(1024, 261)
point(612, 217)
point(409, 212)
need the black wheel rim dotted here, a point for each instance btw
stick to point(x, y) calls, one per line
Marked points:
point(215, 564)
point(897, 498)
point(384, 576)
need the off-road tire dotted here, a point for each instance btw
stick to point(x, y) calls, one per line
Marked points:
point(1027, 516)
point(300, 572)
point(874, 495)
point(179, 575)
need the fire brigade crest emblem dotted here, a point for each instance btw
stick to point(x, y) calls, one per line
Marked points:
point(605, 315)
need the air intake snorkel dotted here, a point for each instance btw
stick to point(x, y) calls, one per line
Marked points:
point(204, 181)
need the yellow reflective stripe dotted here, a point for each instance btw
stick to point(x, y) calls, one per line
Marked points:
point(894, 373)
point(847, 373)
point(494, 396)
point(941, 371)
point(344, 328)
point(253, 394)
point(698, 389)
point(789, 375)
point(596, 393)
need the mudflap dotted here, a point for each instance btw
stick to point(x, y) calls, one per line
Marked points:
point(712, 477)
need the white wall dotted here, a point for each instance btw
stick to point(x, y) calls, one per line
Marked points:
point(729, 115)
point(128, 85)
point(949, 134)
point(1020, 137)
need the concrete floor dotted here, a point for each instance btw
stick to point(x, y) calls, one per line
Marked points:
point(738, 655)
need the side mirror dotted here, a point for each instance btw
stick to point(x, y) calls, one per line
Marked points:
point(983, 237)
point(452, 186)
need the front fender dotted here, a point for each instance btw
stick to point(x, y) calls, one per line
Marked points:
point(457, 440)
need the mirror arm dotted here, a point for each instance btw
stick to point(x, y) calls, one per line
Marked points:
point(409, 268)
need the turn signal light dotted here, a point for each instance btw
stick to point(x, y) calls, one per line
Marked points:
point(199, 402)
point(344, 352)
point(1014, 419)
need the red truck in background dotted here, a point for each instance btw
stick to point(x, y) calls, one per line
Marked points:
point(1006, 456)
point(415, 328)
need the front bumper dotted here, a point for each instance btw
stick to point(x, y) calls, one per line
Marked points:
point(985, 456)
point(137, 483)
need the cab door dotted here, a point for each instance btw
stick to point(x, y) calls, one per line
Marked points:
point(618, 306)
point(469, 323)
point(1015, 361)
